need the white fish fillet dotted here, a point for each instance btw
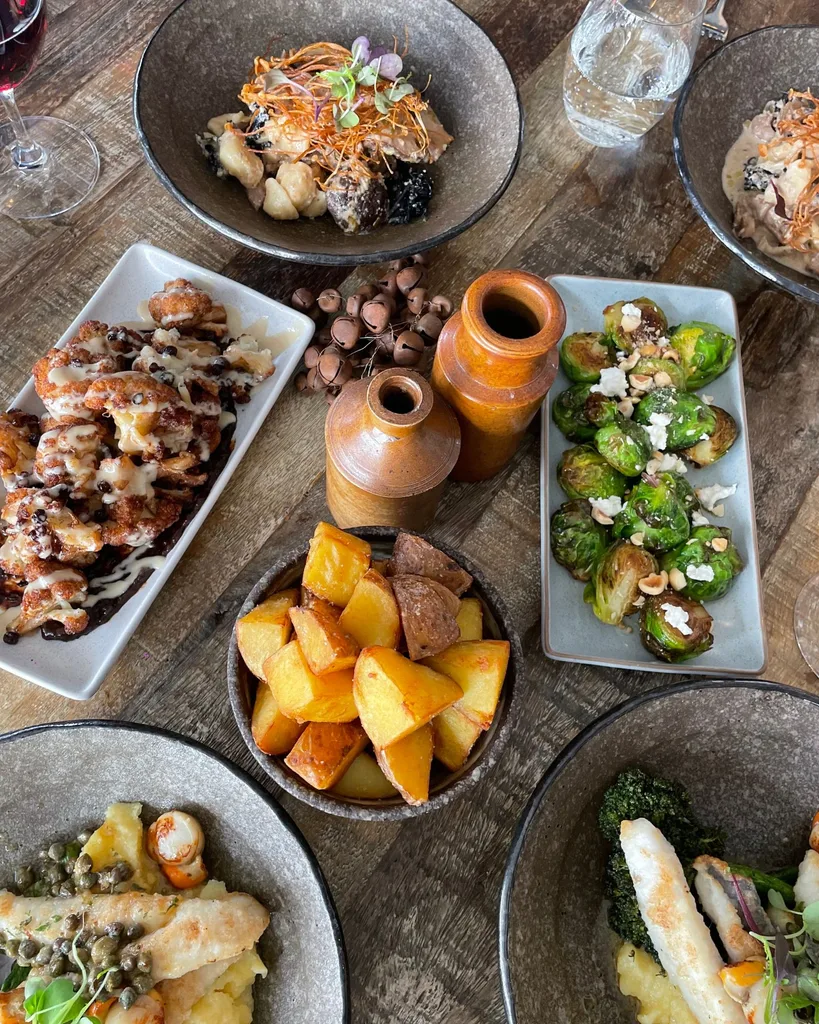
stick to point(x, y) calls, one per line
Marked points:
point(146, 1010)
point(806, 889)
point(718, 905)
point(680, 936)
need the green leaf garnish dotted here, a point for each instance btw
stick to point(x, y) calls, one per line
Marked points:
point(16, 976)
point(810, 919)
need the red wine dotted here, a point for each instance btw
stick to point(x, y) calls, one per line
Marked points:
point(22, 27)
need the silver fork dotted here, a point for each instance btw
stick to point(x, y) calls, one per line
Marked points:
point(714, 24)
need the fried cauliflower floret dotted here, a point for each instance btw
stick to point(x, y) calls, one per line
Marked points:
point(162, 513)
point(180, 304)
point(69, 456)
point(127, 487)
point(62, 377)
point(18, 443)
point(43, 527)
point(175, 360)
point(151, 419)
point(249, 366)
point(51, 596)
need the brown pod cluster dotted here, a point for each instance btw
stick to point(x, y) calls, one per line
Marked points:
point(393, 320)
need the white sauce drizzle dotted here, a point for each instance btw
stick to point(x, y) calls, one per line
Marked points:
point(116, 584)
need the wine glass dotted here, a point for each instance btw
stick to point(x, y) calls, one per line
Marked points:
point(47, 166)
point(806, 623)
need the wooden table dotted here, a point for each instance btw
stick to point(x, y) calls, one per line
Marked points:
point(418, 901)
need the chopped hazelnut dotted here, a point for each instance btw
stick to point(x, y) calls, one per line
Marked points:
point(637, 539)
point(672, 354)
point(641, 381)
point(640, 601)
point(662, 379)
point(626, 408)
point(649, 350)
point(676, 579)
point(630, 361)
point(601, 517)
point(655, 583)
point(719, 543)
point(718, 510)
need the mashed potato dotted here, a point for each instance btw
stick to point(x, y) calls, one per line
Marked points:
point(642, 977)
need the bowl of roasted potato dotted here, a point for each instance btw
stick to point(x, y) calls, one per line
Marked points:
point(371, 673)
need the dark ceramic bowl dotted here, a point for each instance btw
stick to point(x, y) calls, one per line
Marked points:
point(729, 88)
point(746, 752)
point(57, 779)
point(200, 56)
point(445, 785)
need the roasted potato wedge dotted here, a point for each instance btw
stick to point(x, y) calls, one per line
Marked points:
point(380, 565)
point(304, 696)
point(371, 616)
point(413, 556)
point(335, 563)
point(428, 613)
point(395, 696)
point(407, 764)
point(470, 619)
point(273, 732)
point(479, 668)
point(265, 629)
point(309, 600)
point(364, 780)
point(454, 736)
point(324, 752)
point(324, 643)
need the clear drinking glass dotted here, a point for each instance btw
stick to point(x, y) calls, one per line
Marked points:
point(47, 166)
point(627, 61)
point(806, 623)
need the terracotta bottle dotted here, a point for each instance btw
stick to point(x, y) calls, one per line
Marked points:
point(391, 444)
point(495, 361)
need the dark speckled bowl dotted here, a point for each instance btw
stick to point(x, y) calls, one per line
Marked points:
point(729, 88)
point(59, 778)
point(746, 752)
point(199, 58)
point(446, 786)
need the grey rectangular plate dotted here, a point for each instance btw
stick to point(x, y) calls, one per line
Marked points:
point(570, 630)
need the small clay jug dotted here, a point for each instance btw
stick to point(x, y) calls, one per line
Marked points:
point(391, 444)
point(495, 361)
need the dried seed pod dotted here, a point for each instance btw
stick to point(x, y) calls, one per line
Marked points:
point(385, 342)
point(333, 368)
point(397, 265)
point(323, 337)
point(302, 299)
point(409, 348)
point(330, 300)
point(388, 283)
point(429, 325)
point(421, 258)
point(376, 314)
point(314, 381)
point(330, 395)
point(354, 304)
point(369, 291)
point(409, 278)
point(311, 356)
point(441, 305)
point(301, 382)
point(417, 301)
point(346, 331)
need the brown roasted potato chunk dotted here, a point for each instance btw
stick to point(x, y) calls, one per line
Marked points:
point(408, 763)
point(371, 616)
point(265, 629)
point(324, 752)
point(273, 732)
point(428, 613)
point(310, 600)
point(364, 780)
point(324, 643)
point(304, 696)
point(335, 563)
point(479, 668)
point(413, 556)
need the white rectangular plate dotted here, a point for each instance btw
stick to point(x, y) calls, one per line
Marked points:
point(570, 630)
point(77, 668)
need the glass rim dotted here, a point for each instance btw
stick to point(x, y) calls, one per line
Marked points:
point(23, 25)
point(656, 20)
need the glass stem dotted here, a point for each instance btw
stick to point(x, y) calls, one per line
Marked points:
point(26, 153)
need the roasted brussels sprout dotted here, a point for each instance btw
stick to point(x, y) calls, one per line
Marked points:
point(651, 365)
point(614, 586)
point(707, 451)
point(583, 473)
point(600, 409)
point(686, 493)
point(705, 351)
point(708, 572)
point(583, 356)
point(675, 628)
point(624, 445)
point(655, 510)
point(685, 417)
point(577, 540)
point(568, 412)
point(634, 322)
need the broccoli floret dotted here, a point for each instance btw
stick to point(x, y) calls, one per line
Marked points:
point(636, 794)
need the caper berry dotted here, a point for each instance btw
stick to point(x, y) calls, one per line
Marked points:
point(42, 855)
point(85, 936)
point(12, 947)
point(84, 863)
point(63, 946)
point(104, 879)
point(43, 955)
point(142, 983)
point(127, 998)
point(67, 889)
point(80, 956)
point(54, 873)
point(134, 932)
point(55, 888)
point(109, 961)
point(23, 878)
point(72, 850)
point(128, 962)
point(71, 923)
point(85, 835)
point(87, 880)
point(56, 851)
point(69, 864)
point(57, 966)
point(103, 948)
point(113, 981)
point(115, 930)
point(120, 872)
point(74, 978)
point(27, 949)
point(144, 961)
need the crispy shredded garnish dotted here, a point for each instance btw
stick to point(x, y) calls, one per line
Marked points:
point(801, 137)
point(302, 109)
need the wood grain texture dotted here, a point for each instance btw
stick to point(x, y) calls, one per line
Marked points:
point(418, 901)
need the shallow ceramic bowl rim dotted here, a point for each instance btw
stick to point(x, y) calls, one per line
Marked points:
point(747, 253)
point(242, 776)
point(556, 768)
point(497, 736)
point(326, 258)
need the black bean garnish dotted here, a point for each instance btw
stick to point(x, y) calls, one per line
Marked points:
point(41, 516)
point(10, 637)
point(154, 368)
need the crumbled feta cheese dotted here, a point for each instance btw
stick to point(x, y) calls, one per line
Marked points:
point(677, 618)
point(698, 519)
point(631, 316)
point(700, 572)
point(612, 383)
point(656, 430)
point(708, 399)
point(711, 496)
point(608, 506)
point(665, 462)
